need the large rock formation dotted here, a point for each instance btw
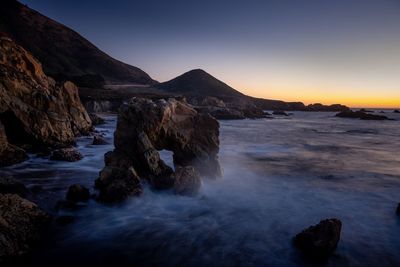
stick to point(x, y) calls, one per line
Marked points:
point(145, 126)
point(21, 223)
point(34, 109)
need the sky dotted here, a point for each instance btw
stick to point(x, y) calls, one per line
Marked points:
point(342, 51)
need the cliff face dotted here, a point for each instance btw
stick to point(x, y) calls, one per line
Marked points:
point(64, 53)
point(34, 109)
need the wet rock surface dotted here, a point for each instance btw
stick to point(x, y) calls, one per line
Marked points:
point(66, 154)
point(21, 224)
point(398, 209)
point(187, 181)
point(116, 184)
point(319, 241)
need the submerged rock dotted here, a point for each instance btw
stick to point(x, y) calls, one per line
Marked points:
point(116, 184)
point(34, 109)
point(78, 193)
point(360, 115)
point(396, 111)
point(320, 240)
point(66, 154)
point(12, 186)
point(21, 224)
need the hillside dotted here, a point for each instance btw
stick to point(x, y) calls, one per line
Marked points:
point(64, 53)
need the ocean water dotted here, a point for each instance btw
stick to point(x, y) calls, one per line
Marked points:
point(281, 175)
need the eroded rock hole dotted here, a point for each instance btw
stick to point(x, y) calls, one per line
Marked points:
point(14, 129)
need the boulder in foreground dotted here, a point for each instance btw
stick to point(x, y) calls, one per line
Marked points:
point(319, 241)
point(21, 224)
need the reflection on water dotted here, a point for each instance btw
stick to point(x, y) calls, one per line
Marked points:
point(280, 176)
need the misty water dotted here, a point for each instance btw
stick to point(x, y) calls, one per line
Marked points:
point(280, 176)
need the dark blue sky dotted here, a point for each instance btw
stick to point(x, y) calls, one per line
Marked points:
point(311, 50)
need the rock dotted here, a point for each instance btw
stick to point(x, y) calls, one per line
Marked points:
point(12, 186)
point(145, 126)
point(9, 154)
point(398, 209)
point(325, 108)
point(167, 124)
point(66, 154)
point(360, 115)
point(99, 140)
point(96, 119)
point(116, 184)
point(366, 110)
point(319, 241)
point(222, 113)
point(78, 193)
point(34, 109)
point(396, 111)
point(187, 181)
point(280, 113)
point(21, 225)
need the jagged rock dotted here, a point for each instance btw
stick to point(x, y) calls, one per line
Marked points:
point(360, 115)
point(221, 113)
point(99, 140)
point(398, 209)
point(66, 154)
point(96, 119)
point(78, 193)
point(21, 224)
point(10, 185)
point(187, 181)
point(320, 240)
point(396, 111)
point(116, 184)
point(280, 113)
point(34, 109)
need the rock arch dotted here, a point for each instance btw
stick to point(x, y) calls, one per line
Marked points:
point(145, 126)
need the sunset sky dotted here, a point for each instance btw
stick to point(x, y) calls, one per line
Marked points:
point(342, 51)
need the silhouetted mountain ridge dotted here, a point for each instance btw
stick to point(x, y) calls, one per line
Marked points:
point(63, 53)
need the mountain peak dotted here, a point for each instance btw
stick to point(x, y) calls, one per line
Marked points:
point(198, 82)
